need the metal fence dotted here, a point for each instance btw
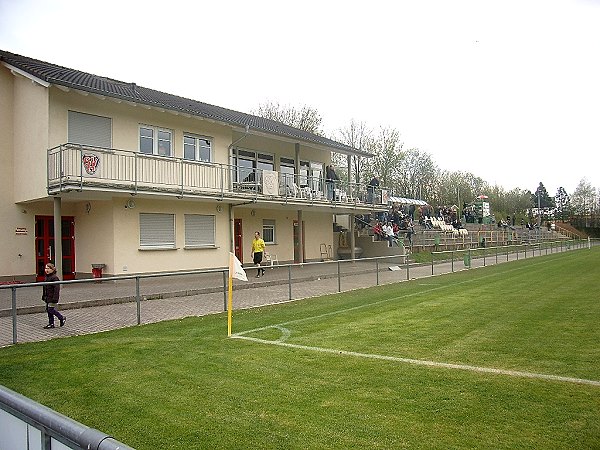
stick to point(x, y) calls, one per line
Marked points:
point(25, 424)
point(94, 305)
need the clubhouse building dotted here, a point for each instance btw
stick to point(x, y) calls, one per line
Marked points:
point(103, 173)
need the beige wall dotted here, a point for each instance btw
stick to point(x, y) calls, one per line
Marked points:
point(126, 120)
point(318, 227)
point(30, 139)
point(34, 118)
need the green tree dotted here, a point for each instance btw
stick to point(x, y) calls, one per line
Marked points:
point(584, 198)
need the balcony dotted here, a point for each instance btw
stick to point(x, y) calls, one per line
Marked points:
point(79, 168)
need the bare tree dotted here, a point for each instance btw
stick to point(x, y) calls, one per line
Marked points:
point(356, 135)
point(388, 157)
point(416, 174)
point(306, 118)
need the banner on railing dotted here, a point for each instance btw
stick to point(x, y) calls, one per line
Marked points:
point(270, 181)
point(91, 164)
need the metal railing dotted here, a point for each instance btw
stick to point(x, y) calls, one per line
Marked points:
point(72, 166)
point(94, 305)
point(28, 424)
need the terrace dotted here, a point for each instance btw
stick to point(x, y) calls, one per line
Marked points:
point(73, 167)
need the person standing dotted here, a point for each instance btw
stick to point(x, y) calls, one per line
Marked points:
point(50, 295)
point(330, 180)
point(258, 250)
point(388, 230)
point(372, 189)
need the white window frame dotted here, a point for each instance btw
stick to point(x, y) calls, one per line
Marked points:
point(200, 231)
point(156, 131)
point(197, 145)
point(157, 231)
point(269, 225)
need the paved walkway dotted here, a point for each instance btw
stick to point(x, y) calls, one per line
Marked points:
point(92, 307)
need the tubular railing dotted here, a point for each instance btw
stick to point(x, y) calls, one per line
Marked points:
point(44, 428)
point(18, 302)
point(72, 166)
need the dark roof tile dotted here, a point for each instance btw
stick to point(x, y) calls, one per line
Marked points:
point(75, 79)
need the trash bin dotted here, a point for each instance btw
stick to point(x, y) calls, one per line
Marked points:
point(97, 270)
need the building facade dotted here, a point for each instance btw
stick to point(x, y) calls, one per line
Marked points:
point(136, 180)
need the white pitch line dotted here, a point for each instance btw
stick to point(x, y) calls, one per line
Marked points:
point(421, 362)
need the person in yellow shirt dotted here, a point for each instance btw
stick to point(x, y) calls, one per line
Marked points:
point(258, 249)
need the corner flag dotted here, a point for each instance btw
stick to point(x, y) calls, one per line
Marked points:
point(235, 268)
point(235, 271)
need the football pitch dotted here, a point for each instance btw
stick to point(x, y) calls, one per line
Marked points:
point(505, 356)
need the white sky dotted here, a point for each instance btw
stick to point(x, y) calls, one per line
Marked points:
point(506, 89)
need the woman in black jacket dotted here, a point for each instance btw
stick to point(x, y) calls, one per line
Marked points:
point(50, 295)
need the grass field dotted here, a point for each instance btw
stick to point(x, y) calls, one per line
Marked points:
point(506, 356)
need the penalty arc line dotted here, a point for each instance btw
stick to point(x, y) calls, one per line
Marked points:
point(421, 362)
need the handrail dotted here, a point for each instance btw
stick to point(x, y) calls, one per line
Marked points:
point(55, 425)
point(134, 172)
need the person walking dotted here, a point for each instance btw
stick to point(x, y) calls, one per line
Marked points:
point(258, 250)
point(51, 295)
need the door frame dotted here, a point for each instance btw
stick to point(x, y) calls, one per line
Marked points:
point(44, 245)
point(238, 239)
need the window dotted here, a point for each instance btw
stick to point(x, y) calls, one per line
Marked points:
point(87, 129)
point(251, 164)
point(155, 141)
point(197, 148)
point(286, 168)
point(199, 231)
point(269, 231)
point(157, 231)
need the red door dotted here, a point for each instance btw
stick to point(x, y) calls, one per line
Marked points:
point(44, 246)
point(238, 239)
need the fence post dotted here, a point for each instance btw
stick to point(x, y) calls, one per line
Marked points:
point(407, 268)
point(14, 314)
point(225, 289)
point(452, 259)
point(339, 277)
point(377, 271)
point(138, 300)
point(289, 282)
point(431, 263)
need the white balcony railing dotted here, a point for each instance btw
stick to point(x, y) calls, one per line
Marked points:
point(79, 167)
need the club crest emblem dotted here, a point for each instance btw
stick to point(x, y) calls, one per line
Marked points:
point(91, 163)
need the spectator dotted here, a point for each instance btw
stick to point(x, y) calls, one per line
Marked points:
point(372, 188)
point(389, 233)
point(330, 180)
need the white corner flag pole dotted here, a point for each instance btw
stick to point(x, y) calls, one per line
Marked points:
point(235, 271)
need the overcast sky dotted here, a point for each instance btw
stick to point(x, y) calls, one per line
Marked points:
point(506, 89)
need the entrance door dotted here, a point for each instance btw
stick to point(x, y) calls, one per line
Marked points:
point(238, 242)
point(44, 246)
point(297, 253)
